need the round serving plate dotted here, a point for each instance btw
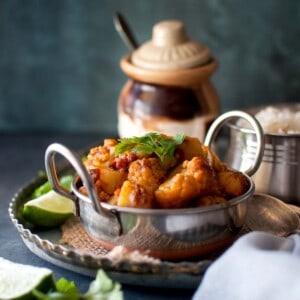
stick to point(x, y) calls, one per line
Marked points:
point(46, 244)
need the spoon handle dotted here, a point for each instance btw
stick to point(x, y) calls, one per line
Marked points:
point(124, 31)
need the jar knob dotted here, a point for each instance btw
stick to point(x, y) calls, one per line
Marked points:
point(169, 33)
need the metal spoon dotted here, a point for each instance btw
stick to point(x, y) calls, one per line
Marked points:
point(269, 214)
point(124, 31)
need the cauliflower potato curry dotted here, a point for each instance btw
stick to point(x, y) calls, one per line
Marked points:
point(158, 171)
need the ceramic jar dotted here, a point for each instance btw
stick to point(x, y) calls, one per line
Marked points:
point(168, 89)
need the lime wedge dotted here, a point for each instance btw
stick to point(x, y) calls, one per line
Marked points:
point(48, 210)
point(17, 280)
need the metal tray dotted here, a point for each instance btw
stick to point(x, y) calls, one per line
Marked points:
point(46, 244)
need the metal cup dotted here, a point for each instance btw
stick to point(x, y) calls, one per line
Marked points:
point(279, 171)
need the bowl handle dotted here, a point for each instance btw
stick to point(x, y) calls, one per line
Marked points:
point(234, 114)
point(81, 171)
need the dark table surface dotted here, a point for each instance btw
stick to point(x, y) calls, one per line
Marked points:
point(22, 157)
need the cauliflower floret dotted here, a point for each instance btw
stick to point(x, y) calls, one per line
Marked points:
point(147, 172)
point(144, 176)
point(101, 156)
point(177, 191)
point(194, 179)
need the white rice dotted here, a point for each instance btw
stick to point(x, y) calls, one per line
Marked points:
point(280, 121)
point(276, 120)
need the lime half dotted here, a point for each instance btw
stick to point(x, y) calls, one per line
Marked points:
point(48, 210)
point(17, 280)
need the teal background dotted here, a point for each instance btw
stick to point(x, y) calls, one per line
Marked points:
point(59, 59)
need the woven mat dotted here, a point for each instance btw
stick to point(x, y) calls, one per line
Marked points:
point(74, 235)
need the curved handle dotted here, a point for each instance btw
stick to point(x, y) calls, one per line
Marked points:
point(80, 169)
point(224, 118)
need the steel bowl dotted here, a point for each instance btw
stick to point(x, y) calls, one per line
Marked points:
point(279, 171)
point(169, 234)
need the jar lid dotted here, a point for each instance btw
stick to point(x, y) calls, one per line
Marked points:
point(170, 49)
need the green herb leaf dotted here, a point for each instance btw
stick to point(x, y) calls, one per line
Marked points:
point(65, 290)
point(102, 288)
point(65, 181)
point(163, 146)
point(65, 286)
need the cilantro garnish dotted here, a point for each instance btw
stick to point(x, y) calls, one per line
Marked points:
point(102, 288)
point(151, 143)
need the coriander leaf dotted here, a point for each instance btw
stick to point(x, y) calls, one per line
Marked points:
point(65, 286)
point(152, 143)
point(65, 290)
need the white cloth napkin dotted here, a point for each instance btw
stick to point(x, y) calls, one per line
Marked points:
point(258, 266)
